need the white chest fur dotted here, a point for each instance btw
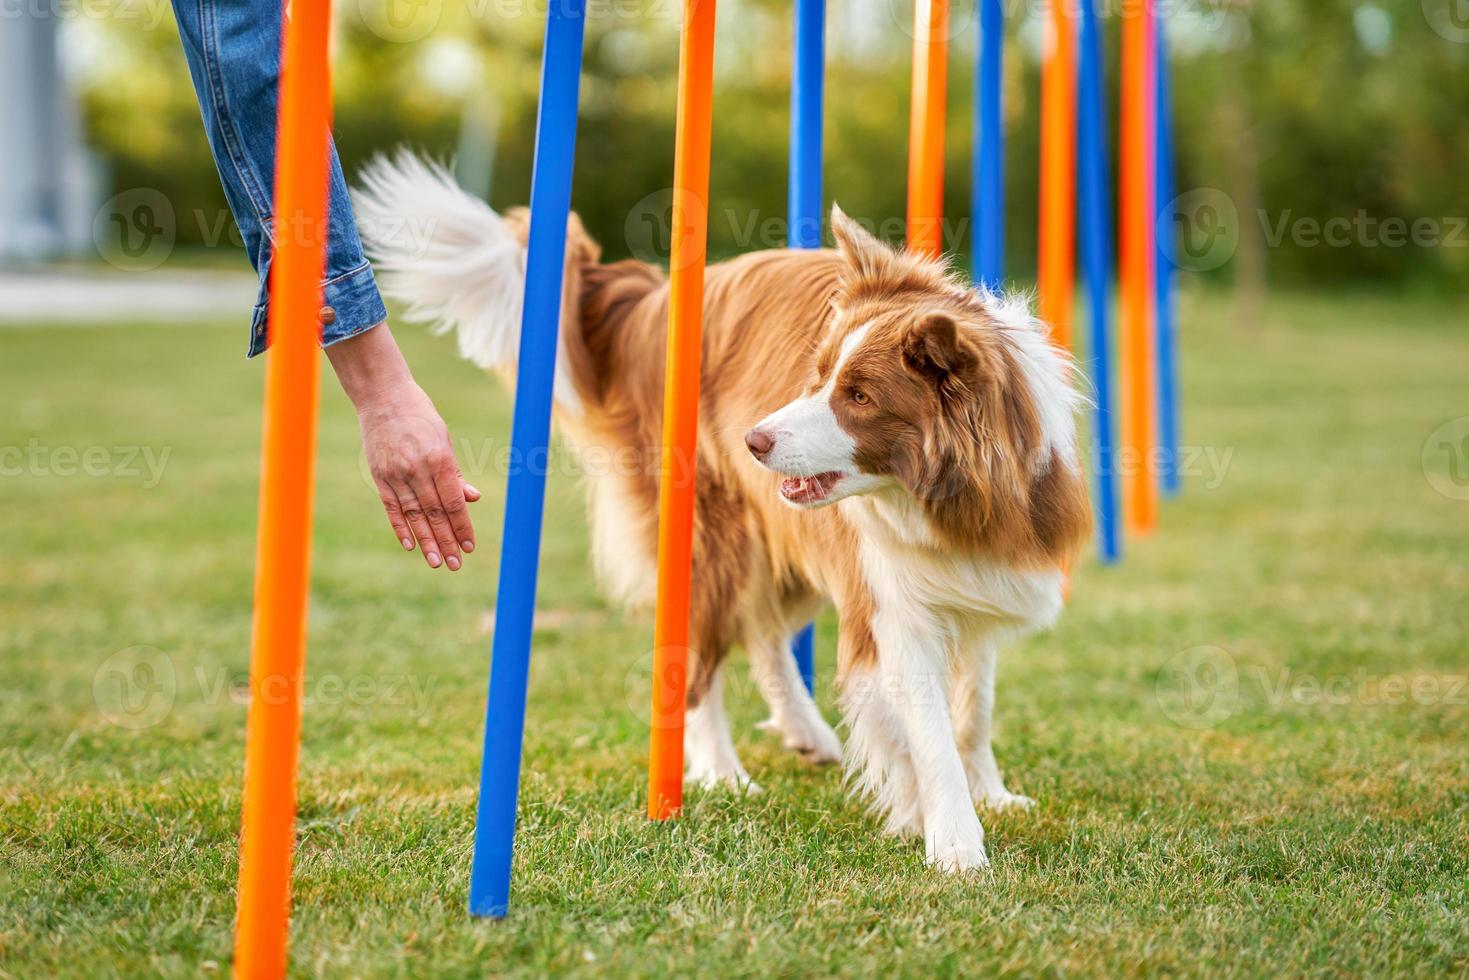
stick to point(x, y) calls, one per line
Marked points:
point(912, 576)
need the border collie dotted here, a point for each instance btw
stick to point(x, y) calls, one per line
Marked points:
point(873, 431)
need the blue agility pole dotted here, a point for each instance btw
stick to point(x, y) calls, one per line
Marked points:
point(803, 648)
point(807, 68)
point(988, 234)
point(1096, 256)
point(1165, 314)
point(550, 206)
point(804, 208)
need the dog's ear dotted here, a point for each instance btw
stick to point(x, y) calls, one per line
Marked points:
point(866, 254)
point(935, 347)
point(875, 268)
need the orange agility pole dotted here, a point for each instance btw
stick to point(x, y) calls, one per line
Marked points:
point(288, 453)
point(1057, 258)
point(1135, 261)
point(926, 126)
point(681, 407)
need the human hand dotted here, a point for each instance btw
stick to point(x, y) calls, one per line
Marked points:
point(407, 447)
point(411, 459)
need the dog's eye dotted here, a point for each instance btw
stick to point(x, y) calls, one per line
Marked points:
point(860, 397)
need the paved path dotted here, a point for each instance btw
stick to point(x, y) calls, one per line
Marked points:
point(93, 297)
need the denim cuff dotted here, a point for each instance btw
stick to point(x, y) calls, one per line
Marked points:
point(351, 304)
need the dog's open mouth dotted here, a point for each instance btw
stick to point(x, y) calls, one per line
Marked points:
point(809, 489)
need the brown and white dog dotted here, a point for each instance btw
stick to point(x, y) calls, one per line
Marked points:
point(873, 431)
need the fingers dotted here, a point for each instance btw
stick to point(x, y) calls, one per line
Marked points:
point(415, 513)
point(395, 515)
point(453, 494)
point(436, 513)
point(441, 526)
point(423, 493)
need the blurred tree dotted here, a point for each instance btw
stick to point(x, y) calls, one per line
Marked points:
point(1302, 110)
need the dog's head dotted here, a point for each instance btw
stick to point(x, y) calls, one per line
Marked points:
point(927, 388)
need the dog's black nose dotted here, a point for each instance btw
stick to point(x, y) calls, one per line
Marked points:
point(759, 442)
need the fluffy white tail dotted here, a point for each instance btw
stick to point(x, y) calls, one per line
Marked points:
point(449, 258)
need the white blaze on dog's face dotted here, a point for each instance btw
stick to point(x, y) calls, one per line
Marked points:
point(895, 389)
point(807, 442)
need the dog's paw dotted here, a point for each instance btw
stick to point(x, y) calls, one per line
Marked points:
point(1003, 800)
point(955, 858)
point(811, 738)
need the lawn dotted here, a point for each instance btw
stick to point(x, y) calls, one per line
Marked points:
point(1250, 741)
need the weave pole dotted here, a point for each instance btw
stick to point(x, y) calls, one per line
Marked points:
point(287, 483)
point(550, 206)
point(807, 91)
point(1096, 259)
point(803, 211)
point(1163, 302)
point(926, 126)
point(681, 407)
point(1135, 226)
point(803, 649)
point(1057, 235)
point(988, 233)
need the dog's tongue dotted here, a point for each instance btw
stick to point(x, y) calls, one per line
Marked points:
point(808, 489)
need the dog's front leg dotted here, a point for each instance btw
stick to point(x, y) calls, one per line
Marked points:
point(913, 663)
point(972, 702)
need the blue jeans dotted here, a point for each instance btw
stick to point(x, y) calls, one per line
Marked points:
point(234, 48)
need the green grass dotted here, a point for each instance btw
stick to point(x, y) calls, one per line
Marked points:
point(1297, 835)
